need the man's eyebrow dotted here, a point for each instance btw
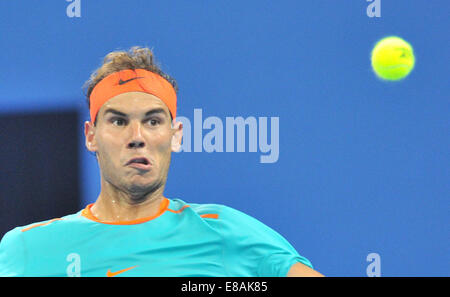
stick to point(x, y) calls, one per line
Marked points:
point(116, 112)
point(150, 112)
point(156, 110)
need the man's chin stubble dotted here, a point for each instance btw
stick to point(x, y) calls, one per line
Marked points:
point(139, 194)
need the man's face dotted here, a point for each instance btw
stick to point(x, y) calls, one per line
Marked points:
point(134, 125)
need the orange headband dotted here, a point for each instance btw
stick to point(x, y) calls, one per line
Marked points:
point(137, 80)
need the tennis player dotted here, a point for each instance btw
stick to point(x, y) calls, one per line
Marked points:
point(132, 229)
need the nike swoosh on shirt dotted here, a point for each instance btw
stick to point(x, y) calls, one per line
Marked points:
point(121, 82)
point(111, 274)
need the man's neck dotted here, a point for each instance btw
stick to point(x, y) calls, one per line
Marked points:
point(114, 205)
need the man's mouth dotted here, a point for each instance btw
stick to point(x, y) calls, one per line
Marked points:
point(140, 163)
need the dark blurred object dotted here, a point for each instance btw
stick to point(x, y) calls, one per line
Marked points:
point(39, 167)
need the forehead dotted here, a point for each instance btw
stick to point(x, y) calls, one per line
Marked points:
point(134, 102)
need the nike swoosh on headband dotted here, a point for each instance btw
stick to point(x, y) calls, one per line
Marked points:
point(122, 82)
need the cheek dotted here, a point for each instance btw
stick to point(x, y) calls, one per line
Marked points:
point(161, 144)
point(164, 142)
point(109, 148)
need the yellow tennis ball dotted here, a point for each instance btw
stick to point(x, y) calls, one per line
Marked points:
point(392, 58)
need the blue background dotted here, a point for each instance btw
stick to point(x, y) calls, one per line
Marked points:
point(363, 165)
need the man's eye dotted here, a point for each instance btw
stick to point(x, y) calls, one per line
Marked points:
point(154, 122)
point(118, 122)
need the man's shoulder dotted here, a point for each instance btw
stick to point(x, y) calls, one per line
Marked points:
point(43, 226)
point(177, 204)
point(221, 213)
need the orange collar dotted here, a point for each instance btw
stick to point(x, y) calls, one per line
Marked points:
point(162, 208)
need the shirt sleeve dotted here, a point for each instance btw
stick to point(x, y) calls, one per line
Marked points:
point(253, 246)
point(12, 254)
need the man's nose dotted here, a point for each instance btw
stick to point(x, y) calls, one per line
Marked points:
point(137, 140)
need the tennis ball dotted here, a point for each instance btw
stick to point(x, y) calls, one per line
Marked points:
point(392, 58)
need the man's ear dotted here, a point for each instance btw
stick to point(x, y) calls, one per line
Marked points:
point(89, 133)
point(177, 136)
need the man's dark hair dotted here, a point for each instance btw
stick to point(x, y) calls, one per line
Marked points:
point(135, 58)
